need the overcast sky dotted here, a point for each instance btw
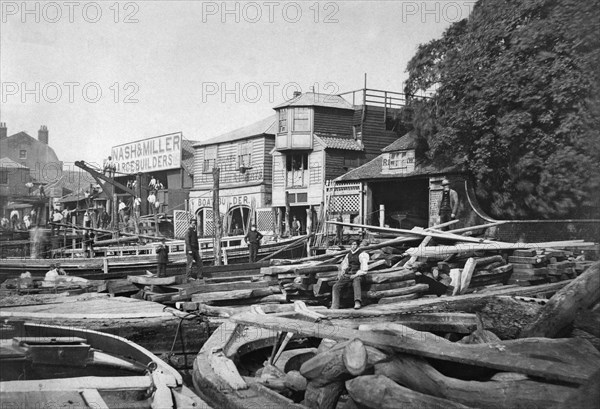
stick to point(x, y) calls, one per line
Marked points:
point(200, 67)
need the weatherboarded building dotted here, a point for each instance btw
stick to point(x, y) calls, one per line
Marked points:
point(243, 157)
point(320, 137)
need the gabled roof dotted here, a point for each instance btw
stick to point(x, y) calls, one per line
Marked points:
point(9, 163)
point(263, 127)
point(373, 170)
point(336, 142)
point(407, 141)
point(310, 99)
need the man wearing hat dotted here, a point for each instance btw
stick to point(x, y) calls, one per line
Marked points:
point(448, 204)
point(192, 252)
point(253, 240)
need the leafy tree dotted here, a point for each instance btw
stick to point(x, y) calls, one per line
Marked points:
point(517, 105)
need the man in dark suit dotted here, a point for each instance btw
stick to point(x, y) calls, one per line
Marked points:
point(162, 258)
point(253, 239)
point(193, 252)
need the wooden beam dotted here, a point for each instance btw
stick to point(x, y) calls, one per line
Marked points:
point(415, 232)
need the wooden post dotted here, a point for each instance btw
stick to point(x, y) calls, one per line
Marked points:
point(216, 217)
point(105, 265)
point(288, 229)
point(381, 215)
point(115, 213)
point(279, 221)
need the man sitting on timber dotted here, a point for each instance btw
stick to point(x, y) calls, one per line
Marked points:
point(354, 268)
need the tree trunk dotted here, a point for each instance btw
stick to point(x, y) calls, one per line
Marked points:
point(556, 316)
point(380, 392)
point(323, 397)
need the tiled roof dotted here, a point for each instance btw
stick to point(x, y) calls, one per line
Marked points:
point(9, 163)
point(335, 142)
point(373, 170)
point(407, 141)
point(310, 99)
point(263, 127)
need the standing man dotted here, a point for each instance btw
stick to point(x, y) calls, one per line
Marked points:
point(122, 207)
point(137, 203)
point(14, 219)
point(448, 204)
point(88, 242)
point(296, 227)
point(253, 240)
point(162, 258)
point(56, 218)
point(353, 269)
point(193, 252)
point(109, 167)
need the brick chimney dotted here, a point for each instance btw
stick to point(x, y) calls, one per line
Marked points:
point(3, 130)
point(43, 134)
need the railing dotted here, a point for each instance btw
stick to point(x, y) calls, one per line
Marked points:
point(377, 97)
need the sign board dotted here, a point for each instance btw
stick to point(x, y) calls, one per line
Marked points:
point(149, 155)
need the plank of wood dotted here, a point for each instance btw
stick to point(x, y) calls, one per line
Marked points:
point(398, 298)
point(443, 251)
point(582, 293)
point(123, 383)
point(466, 274)
point(411, 288)
point(527, 260)
point(390, 286)
point(378, 391)
point(525, 253)
point(558, 368)
point(381, 277)
point(416, 231)
point(231, 295)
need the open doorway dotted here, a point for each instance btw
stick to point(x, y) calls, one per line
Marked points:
point(406, 203)
point(236, 223)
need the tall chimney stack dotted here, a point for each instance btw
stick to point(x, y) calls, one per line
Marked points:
point(43, 134)
point(3, 130)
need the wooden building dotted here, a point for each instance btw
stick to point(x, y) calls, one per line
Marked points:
point(320, 137)
point(406, 183)
point(246, 174)
point(168, 159)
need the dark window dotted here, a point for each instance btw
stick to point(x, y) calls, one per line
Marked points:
point(3, 177)
point(283, 120)
point(22, 154)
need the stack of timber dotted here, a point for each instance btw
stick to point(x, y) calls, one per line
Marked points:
point(385, 365)
point(236, 284)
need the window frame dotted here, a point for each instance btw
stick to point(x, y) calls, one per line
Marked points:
point(244, 150)
point(210, 160)
point(301, 115)
point(399, 162)
point(22, 153)
point(283, 121)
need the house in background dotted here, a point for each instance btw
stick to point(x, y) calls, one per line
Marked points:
point(320, 137)
point(245, 191)
point(37, 163)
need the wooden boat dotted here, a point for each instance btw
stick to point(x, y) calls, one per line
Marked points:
point(44, 364)
point(226, 375)
point(120, 261)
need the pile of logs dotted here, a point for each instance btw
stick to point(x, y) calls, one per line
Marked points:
point(387, 365)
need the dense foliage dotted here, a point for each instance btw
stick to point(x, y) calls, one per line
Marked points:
point(517, 105)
